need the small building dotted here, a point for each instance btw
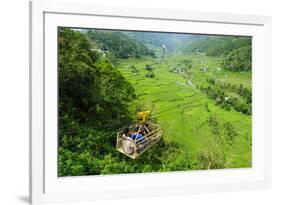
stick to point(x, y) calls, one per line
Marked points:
point(148, 67)
point(204, 69)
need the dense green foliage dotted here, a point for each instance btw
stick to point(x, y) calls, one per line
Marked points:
point(89, 152)
point(93, 96)
point(120, 44)
point(89, 84)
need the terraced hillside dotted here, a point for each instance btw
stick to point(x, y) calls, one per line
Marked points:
point(188, 116)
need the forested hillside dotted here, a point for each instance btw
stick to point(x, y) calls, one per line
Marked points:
point(119, 44)
point(93, 98)
point(236, 52)
point(218, 45)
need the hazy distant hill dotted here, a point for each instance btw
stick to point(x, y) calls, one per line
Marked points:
point(172, 41)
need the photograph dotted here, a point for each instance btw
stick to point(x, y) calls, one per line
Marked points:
point(152, 101)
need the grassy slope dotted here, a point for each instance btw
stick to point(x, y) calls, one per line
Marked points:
point(181, 108)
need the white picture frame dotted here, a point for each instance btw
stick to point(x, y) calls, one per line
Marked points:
point(46, 187)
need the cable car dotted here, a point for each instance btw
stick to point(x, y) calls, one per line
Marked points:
point(135, 139)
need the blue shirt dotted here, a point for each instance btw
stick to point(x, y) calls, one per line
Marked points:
point(137, 136)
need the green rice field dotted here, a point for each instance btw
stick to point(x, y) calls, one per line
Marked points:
point(183, 110)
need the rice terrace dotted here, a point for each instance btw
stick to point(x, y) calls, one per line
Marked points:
point(136, 102)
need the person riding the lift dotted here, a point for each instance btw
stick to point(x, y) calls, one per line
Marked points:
point(137, 136)
point(128, 144)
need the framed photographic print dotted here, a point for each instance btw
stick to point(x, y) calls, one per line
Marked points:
point(129, 102)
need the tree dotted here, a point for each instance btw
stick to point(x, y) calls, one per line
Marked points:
point(211, 157)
